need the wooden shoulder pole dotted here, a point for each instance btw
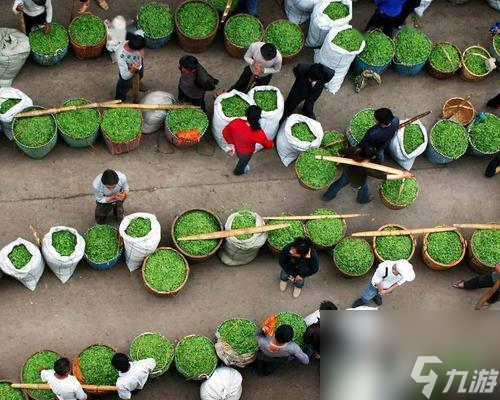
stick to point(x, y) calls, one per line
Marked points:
point(488, 295)
point(234, 232)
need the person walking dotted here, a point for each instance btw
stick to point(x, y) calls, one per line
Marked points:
point(408, 7)
point(86, 4)
point(250, 7)
point(132, 375)
point(482, 281)
point(386, 15)
point(388, 277)
point(242, 136)
point(62, 384)
point(263, 61)
point(35, 12)
point(111, 190)
point(298, 260)
point(130, 58)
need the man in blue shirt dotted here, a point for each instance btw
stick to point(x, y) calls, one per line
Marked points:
point(379, 135)
point(386, 15)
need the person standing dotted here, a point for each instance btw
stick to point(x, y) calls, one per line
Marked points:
point(310, 80)
point(35, 12)
point(408, 7)
point(482, 281)
point(132, 375)
point(493, 167)
point(62, 384)
point(298, 260)
point(385, 16)
point(250, 7)
point(111, 190)
point(263, 61)
point(130, 58)
point(242, 136)
point(388, 277)
point(86, 4)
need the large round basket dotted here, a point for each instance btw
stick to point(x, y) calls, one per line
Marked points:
point(77, 373)
point(39, 151)
point(274, 250)
point(159, 370)
point(80, 142)
point(472, 149)
point(463, 114)
point(436, 73)
point(391, 205)
point(359, 65)
point(347, 273)
point(434, 156)
point(321, 247)
point(350, 137)
point(233, 49)
point(374, 242)
point(494, 51)
point(25, 396)
point(432, 264)
point(474, 262)
point(191, 258)
point(83, 51)
point(123, 147)
point(409, 69)
point(197, 378)
point(195, 45)
point(468, 75)
point(51, 59)
point(242, 360)
point(154, 42)
point(178, 142)
point(107, 264)
point(306, 185)
point(160, 293)
point(292, 56)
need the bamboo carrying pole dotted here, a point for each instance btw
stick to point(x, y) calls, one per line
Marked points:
point(392, 171)
point(234, 232)
point(44, 386)
point(151, 106)
point(488, 295)
point(58, 110)
point(413, 119)
point(417, 231)
point(477, 226)
point(22, 24)
point(311, 217)
point(136, 81)
point(226, 12)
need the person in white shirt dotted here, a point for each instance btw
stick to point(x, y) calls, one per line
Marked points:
point(132, 376)
point(64, 385)
point(111, 190)
point(130, 58)
point(388, 276)
point(35, 12)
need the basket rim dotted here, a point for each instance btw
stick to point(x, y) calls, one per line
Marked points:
point(395, 204)
point(399, 62)
point(283, 20)
point(274, 248)
point(307, 185)
point(33, 108)
point(232, 319)
point(120, 245)
point(198, 109)
point(24, 364)
point(167, 365)
point(72, 39)
point(458, 51)
point(186, 2)
point(125, 142)
point(232, 17)
point(171, 15)
point(393, 49)
point(470, 137)
point(186, 375)
point(76, 360)
point(468, 103)
point(349, 131)
point(60, 50)
point(439, 152)
point(452, 264)
point(68, 134)
point(475, 46)
point(471, 246)
point(493, 42)
point(326, 246)
point(412, 237)
point(348, 273)
point(23, 391)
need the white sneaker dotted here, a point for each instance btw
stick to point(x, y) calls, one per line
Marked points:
point(296, 292)
point(283, 285)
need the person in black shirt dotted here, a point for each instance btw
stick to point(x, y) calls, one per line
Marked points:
point(379, 135)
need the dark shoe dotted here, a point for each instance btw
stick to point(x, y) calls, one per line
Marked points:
point(358, 303)
point(370, 198)
point(143, 87)
point(378, 300)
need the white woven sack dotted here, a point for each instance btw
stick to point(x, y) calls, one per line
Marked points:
point(219, 120)
point(239, 252)
point(224, 384)
point(299, 11)
point(424, 4)
point(137, 249)
point(321, 23)
point(288, 146)
point(336, 58)
point(62, 266)
point(397, 149)
point(30, 274)
point(14, 50)
point(154, 120)
point(6, 118)
point(494, 4)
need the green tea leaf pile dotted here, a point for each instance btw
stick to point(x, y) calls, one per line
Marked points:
point(101, 243)
point(165, 270)
point(20, 256)
point(196, 20)
point(234, 106)
point(444, 247)
point(195, 356)
point(296, 322)
point(34, 131)
point(391, 190)
point(244, 219)
point(240, 334)
point(353, 256)
point(152, 345)
point(333, 137)
point(9, 393)
point(286, 36)
point(156, 20)
point(220, 5)
point(475, 60)
point(64, 242)
point(266, 99)
point(336, 10)
point(87, 30)
point(51, 43)
point(121, 125)
point(394, 248)
point(348, 39)
point(484, 133)
point(194, 223)
point(138, 227)
point(449, 138)
point(412, 138)
point(325, 232)
point(496, 43)
point(361, 123)
point(8, 104)
point(379, 49)
point(316, 174)
point(243, 30)
point(486, 246)
point(445, 57)
point(79, 124)
point(412, 46)
point(95, 365)
point(281, 237)
point(44, 359)
point(302, 132)
point(184, 119)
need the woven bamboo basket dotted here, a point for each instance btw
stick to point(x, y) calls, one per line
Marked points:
point(432, 264)
point(77, 373)
point(122, 147)
point(374, 242)
point(186, 375)
point(106, 264)
point(80, 142)
point(159, 369)
point(306, 185)
point(468, 75)
point(84, 51)
point(25, 396)
point(222, 351)
point(350, 274)
point(473, 260)
point(349, 135)
point(235, 50)
point(321, 247)
point(463, 116)
point(435, 72)
point(289, 57)
point(31, 396)
point(394, 206)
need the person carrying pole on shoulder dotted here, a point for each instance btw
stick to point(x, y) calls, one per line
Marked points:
point(64, 385)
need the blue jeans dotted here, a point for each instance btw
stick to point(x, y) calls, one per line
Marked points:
point(243, 160)
point(380, 156)
point(369, 293)
point(363, 191)
point(251, 6)
point(284, 277)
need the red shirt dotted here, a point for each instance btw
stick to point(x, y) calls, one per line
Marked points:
point(244, 139)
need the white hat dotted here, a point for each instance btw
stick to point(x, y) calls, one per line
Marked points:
point(406, 270)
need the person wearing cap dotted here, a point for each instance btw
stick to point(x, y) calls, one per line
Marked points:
point(388, 277)
point(482, 281)
point(309, 82)
point(111, 190)
point(35, 12)
point(62, 384)
point(194, 82)
point(263, 61)
point(130, 58)
point(132, 376)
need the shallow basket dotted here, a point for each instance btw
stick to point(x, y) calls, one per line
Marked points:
point(160, 293)
point(107, 264)
point(473, 150)
point(80, 142)
point(464, 116)
point(25, 396)
point(77, 373)
point(191, 258)
point(353, 275)
point(474, 262)
point(468, 75)
point(432, 264)
point(154, 42)
point(198, 378)
point(394, 206)
point(174, 139)
point(235, 50)
point(435, 156)
point(26, 393)
point(83, 51)
point(374, 242)
point(321, 247)
point(288, 57)
point(156, 372)
point(123, 147)
point(438, 74)
point(350, 137)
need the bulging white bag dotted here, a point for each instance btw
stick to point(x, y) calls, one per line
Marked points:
point(224, 384)
point(321, 23)
point(239, 252)
point(14, 50)
point(299, 11)
point(397, 148)
point(219, 120)
point(62, 266)
point(288, 146)
point(154, 120)
point(137, 249)
point(30, 274)
point(6, 118)
point(336, 58)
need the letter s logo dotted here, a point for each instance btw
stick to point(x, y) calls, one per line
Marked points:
point(429, 379)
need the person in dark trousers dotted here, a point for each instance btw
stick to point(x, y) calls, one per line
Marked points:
point(111, 190)
point(35, 12)
point(482, 281)
point(298, 260)
point(309, 82)
point(263, 61)
point(386, 15)
point(408, 7)
point(130, 59)
point(250, 6)
point(132, 376)
point(380, 135)
point(493, 167)
point(194, 82)
point(242, 136)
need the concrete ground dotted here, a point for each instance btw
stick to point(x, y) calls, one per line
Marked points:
point(113, 306)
